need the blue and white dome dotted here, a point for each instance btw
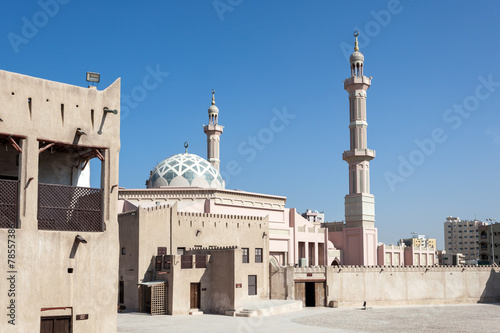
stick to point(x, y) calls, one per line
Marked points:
point(185, 170)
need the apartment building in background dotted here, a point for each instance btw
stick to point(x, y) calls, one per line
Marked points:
point(462, 236)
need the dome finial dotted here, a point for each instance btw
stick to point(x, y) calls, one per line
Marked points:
point(186, 145)
point(356, 34)
point(213, 96)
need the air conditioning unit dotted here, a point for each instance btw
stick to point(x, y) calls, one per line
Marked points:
point(302, 262)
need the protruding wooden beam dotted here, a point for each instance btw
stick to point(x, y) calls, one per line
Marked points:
point(41, 150)
point(99, 155)
point(14, 144)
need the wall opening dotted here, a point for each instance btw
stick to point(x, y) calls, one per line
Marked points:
point(10, 155)
point(58, 324)
point(62, 113)
point(66, 202)
point(310, 294)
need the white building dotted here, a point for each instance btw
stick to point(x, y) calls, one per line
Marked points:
point(462, 237)
point(314, 216)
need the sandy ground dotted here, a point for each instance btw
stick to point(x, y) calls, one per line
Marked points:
point(439, 318)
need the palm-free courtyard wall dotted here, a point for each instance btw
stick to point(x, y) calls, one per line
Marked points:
point(351, 286)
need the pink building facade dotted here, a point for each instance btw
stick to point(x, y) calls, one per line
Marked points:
point(196, 186)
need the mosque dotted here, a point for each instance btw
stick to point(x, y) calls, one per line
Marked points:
point(187, 199)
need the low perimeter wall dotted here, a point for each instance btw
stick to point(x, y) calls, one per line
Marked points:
point(387, 285)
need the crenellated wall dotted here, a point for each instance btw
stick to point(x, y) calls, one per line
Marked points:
point(392, 285)
point(224, 283)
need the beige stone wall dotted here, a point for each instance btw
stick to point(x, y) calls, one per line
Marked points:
point(192, 230)
point(413, 285)
point(164, 226)
point(43, 257)
point(384, 285)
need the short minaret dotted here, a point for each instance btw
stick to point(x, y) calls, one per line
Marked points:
point(361, 234)
point(213, 131)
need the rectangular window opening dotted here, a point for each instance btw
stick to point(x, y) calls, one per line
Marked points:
point(258, 255)
point(252, 285)
point(70, 196)
point(244, 252)
point(29, 105)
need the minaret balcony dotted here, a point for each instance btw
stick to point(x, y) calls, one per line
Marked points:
point(358, 155)
point(213, 128)
point(358, 80)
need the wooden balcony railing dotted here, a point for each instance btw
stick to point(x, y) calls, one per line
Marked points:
point(9, 201)
point(69, 208)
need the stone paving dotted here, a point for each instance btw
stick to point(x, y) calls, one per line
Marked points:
point(439, 318)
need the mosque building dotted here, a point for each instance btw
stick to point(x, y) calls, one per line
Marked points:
point(186, 209)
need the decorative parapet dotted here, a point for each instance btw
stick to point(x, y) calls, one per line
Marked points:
point(213, 248)
point(279, 232)
point(157, 207)
point(222, 216)
point(423, 269)
point(310, 269)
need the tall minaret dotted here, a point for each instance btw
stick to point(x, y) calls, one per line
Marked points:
point(213, 131)
point(361, 234)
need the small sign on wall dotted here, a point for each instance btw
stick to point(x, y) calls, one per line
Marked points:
point(239, 285)
point(82, 316)
point(309, 274)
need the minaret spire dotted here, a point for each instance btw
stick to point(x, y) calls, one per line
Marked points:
point(213, 131)
point(359, 203)
point(356, 34)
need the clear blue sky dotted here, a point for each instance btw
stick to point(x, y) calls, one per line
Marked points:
point(424, 56)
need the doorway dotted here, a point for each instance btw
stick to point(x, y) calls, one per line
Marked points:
point(55, 325)
point(311, 293)
point(195, 296)
point(153, 297)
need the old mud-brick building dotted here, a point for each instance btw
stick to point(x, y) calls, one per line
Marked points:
point(61, 234)
point(175, 262)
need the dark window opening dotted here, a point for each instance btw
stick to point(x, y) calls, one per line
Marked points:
point(29, 105)
point(10, 150)
point(258, 255)
point(201, 261)
point(186, 261)
point(252, 285)
point(244, 258)
point(121, 293)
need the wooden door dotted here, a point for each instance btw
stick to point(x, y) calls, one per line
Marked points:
point(320, 293)
point(300, 292)
point(195, 296)
point(55, 325)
